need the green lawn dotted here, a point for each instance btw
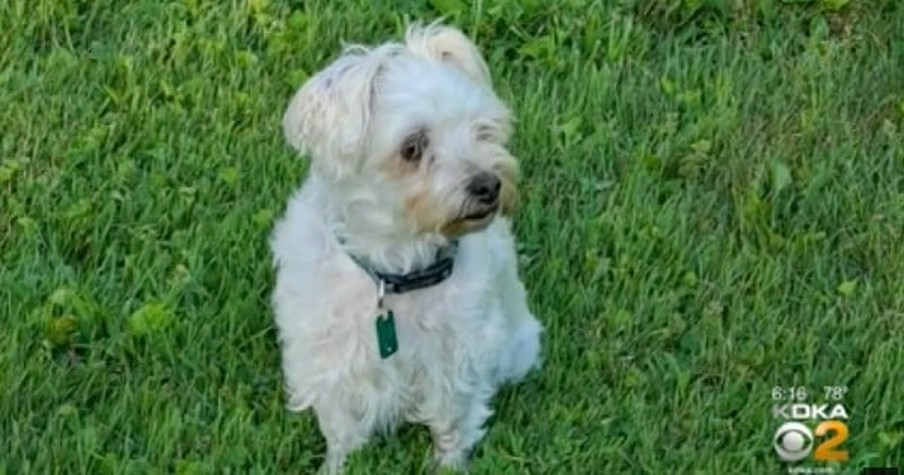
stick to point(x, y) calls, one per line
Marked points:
point(713, 205)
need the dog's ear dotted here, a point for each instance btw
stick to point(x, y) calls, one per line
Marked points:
point(329, 116)
point(449, 45)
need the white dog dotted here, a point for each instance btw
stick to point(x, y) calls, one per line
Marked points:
point(397, 295)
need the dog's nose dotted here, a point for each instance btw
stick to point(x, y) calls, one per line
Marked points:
point(485, 187)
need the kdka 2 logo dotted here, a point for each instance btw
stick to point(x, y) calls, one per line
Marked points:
point(817, 429)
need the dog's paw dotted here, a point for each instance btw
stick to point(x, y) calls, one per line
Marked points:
point(450, 463)
point(330, 467)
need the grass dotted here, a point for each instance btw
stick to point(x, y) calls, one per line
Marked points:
point(713, 206)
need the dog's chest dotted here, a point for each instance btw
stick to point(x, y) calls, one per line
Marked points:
point(438, 332)
point(431, 323)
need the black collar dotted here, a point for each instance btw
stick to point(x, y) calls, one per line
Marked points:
point(436, 272)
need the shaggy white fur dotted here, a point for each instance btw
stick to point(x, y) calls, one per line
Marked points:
point(408, 149)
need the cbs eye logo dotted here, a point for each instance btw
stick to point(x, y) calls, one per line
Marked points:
point(794, 441)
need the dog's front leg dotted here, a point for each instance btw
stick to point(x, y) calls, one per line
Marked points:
point(343, 431)
point(456, 429)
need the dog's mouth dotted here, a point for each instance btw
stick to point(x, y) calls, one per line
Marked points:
point(474, 219)
point(481, 214)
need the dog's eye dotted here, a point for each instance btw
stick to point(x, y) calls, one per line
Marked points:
point(414, 147)
point(485, 133)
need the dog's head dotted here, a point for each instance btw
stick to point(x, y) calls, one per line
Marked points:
point(413, 132)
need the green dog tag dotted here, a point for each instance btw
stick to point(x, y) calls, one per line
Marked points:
point(386, 335)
